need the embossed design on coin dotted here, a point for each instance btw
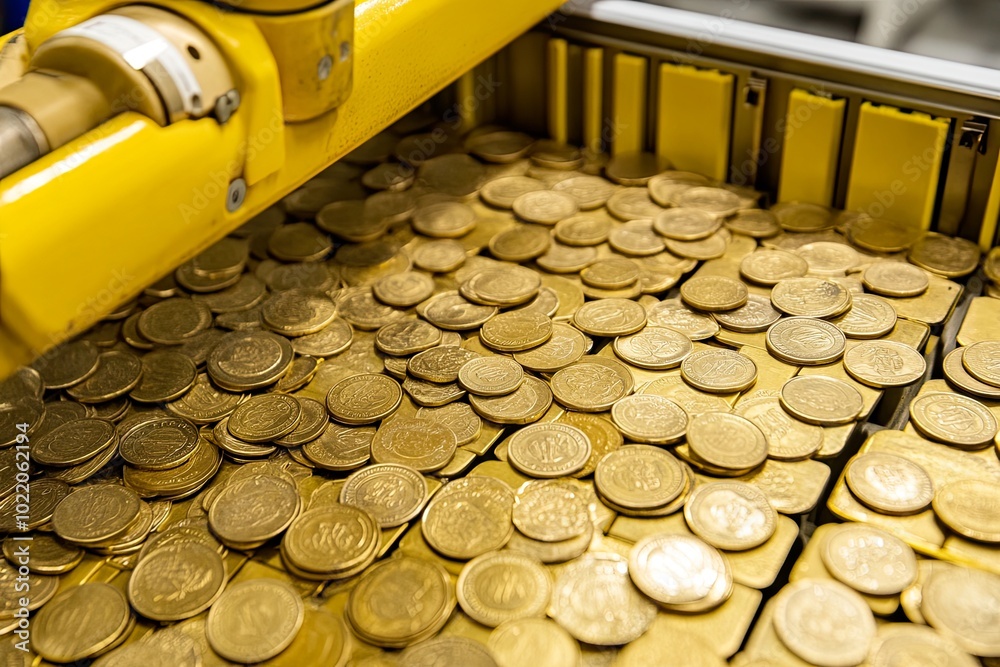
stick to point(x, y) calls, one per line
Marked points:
point(364, 399)
point(719, 371)
point(982, 360)
point(810, 297)
point(79, 622)
point(550, 510)
point(868, 559)
point(392, 493)
point(655, 348)
point(870, 316)
point(423, 445)
point(756, 315)
point(889, 484)
point(677, 569)
point(726, 440)
point(459, 417)
point(964, 604)
point(265, 418)
point(469, 517)
point(610, 317)
point(592, 384)
point(673, 314)
point(177, 581)
point(649, 418)
point(503, 586)
point(566, 345)
point(714, 293)
point(897, 279)
point(548, 450)
point(971, 508)
point(254, 620)
point(734, 516)
point(640, 477)
point(331, 541)
point(884, 363)
point(822, 400)
point(824, 622)
point(953, 419)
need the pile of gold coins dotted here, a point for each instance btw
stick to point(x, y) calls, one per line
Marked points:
point(505, 403)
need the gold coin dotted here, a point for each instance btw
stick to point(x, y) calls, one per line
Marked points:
point(374, 610)
point(634, 167)
point(632, 204)
point(403, 290)
point(604, 438)
point(870, 316)
point(166, 376)
point(810, 297)
point(249, 360)
point(502, 192)
point(897, 279)
point(655, 348)
point(734, 516)
point(649, 418)
point(521, 243)
point(582, 230)
point(533, 640)
point(889, 484)
point(516, 330)
point(49, 555)
point(686, 224)
point(67, 629)
point(788, 439)
point(548, 450)
point(592, 384)
point(490, 376)
point(991, 265)
point(566, 346)
point(525, 405)
point(233, 639)
point(184, 479)
point(192, 568)
point(21, 590)
point(74, 442)
point(884, 363)
point(447, 651)
point(673, 314)
point(982, 361)
point(440, 256)
point(822, 400)
point(755, 316)
point(714, 293)
point(769, 266)
point(350, 220)
point(359, 307)
point(388, 176)
point(95, 513)
point(945, 256)
point(882, 235)
point(159, 443)
point(949, 598)
point(953, 419)
point(958, 376)
point(727, 441)
point(453, 174)
point(469, 517)
point(408, 337)
point(452, 311)
point(969, 508)
point(677, 569)
point(611, 273)
point(594, 599)
point(272, 498)
point(561, 258)
point(719, 371)
point(590, 192)
point(364, 399)
point(868, 559)
point(440, 364)
point(829, 258)
point(802, 217)
point(841, 640)
point(172, 321)
point(755, 223)
point(341, 447)
point(265, 418)
point(639, 477)
point(424, 445)
point(67, 364)
point(204, 403)
point(636, 238)
point(508, 286)
point(545, 207)
point(459, 417)
point(118, 372)
point(332, 340)
point(552, 552)
point(354, 530)
point(610, 317)
point(444, 220)
point(911, 644)
point(550, 510)
point(392, 493)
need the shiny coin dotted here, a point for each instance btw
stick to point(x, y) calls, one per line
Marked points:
point(551, 510)
point(611, 273)
point(232, 638)
point(67, 629)
point(810, 297)
point(592, 384)
point(802, 217)
point(454, 174)
point(884, 363)
point(640, 477)
point(447, 650)
point(755, 223)
point(610, 317)
point(964, 605)
point(525, 405)
point(439, 256)
point(332, 340)
point(272, 499)
point(715, 201)
point(204, 403)
point(265, 418)
point(636, 238)
point(516, 330)
point(444, 220)
point(249, 360)
point(969, 508)
point(364, 399)
point(299, 242)
point(634, 168)
point(848, 627)
point(594, 599)
point(508, 286)
point(545, 207)
point(354, 531)
point(95, 513)
point(159, 443)
point(521, 243)
point(788, 439)
point(533, 640)
point(649, 418)
point(298, 312)
point(469, 517)
point(502, 192)
point(686, 224)
point(677, 569)
point(822, 400)
point(459, 417)
point(590, 192)
point(673, 314)
point(67, 365)
point(549, 450)
point(490, 376)
point(755, 316)
point(768, 267)
point(945, 255)
point(73, 442)
point(49, 554)
point(910, 644)
point(392, 493)
point(868, 559)
point(953, 419)
point(402, 339)
point(632, 204)
point(897, 279)
point(726, 440)
point(582, 231)
point(177, 581)
point(982, 361)
point(503, 586)
point(166, 376)
point(719, 371)
point(655, 348)
point(734, 516)
point(440, 364)
point(957, 375)
point(14, 578)
point(452, 311)
point(829, 258)
point(173, 321)
point(118, 372)
point(870, 316)
point(374, 609)
point(341, 447)
point(403, 290)
point(714, 293)
point(423, 445)
point(566, 345)
point(889, 484)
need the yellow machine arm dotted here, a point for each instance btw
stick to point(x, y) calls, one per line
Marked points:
point(147, 133)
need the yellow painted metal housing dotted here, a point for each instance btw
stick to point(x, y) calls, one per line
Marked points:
point(694, 119)
point(814, 126)
point(89, 225)
point(628, 131)
point(896, 164)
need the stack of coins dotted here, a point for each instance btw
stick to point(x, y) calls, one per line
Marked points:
point(591, 390)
